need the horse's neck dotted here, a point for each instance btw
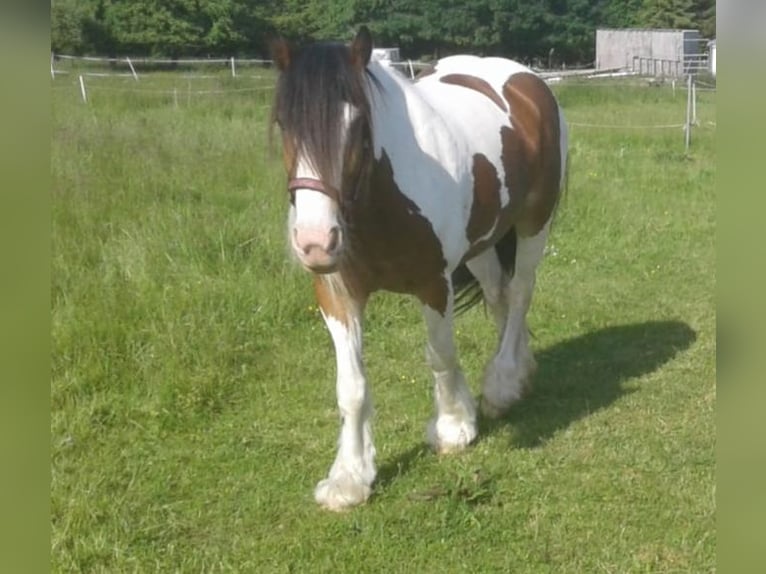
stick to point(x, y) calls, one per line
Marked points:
point(404, 120)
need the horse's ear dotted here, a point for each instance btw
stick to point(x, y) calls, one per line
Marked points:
point(281, 53)
point(361, 48)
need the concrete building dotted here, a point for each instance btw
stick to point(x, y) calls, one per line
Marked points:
point(653, 52)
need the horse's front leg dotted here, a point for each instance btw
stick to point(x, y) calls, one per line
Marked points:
point(351, 476)
point(454, 427)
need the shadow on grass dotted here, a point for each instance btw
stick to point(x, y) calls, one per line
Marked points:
point(585, 374)
point(575, 378)
point(388, 472)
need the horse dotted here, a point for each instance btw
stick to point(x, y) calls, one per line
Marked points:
point(443, 188)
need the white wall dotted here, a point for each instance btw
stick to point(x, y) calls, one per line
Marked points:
point(650, 51)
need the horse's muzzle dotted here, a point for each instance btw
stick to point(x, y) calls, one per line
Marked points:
point(318, 251)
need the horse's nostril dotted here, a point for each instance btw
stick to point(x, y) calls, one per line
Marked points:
point(332, 244)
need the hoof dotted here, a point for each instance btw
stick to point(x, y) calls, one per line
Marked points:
point(498, 405)
point(502, 390)
point(493, 411)
point(341, 493)
point(448, 434)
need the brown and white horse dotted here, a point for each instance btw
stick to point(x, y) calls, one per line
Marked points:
point(428, 188)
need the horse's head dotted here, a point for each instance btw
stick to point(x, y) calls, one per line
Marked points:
point(322, 107)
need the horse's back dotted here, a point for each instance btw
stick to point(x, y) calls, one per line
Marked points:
point(472, 93)
point(467, 91)
point(507, 113)
point(493, 70)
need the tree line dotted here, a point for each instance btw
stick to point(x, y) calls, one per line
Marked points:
point(555, 31)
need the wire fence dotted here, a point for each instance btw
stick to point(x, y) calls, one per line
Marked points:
point(195, 68)
point(102, 74)
point(627, 126)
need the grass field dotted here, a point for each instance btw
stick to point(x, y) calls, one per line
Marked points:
point(192, 392)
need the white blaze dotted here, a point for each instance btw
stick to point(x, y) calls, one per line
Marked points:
point(314, 218)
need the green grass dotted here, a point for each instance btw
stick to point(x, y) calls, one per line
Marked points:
point(193, 405)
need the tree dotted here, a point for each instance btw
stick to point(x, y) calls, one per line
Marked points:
point(521, 29)
point(68, 23)
point(667, 14)
point(620, 14)
point(66, 27)
point(704, 13)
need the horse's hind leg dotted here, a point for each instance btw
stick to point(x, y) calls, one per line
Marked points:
point(510, 370)
point(454, 427)
point(493, 280)
point(350, 479)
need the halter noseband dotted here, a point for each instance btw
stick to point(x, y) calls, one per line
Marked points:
point(310, 183)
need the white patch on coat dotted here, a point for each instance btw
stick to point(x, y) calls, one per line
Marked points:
point(432, 130)
point(315, 215)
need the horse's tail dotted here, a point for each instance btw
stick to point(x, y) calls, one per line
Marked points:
point(466, 287)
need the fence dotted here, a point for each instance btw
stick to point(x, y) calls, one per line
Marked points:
point(91, 66)
point(62, 64)
point(659, 67)
point(88, 71)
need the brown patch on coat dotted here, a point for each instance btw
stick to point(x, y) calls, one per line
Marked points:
point(390, 245)
point(486, 198)
point(477, 84)
point(288, 156)
point(338, 303)
point(531, 151)
point(289, 161)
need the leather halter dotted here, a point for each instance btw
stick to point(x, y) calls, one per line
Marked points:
point(310, 183)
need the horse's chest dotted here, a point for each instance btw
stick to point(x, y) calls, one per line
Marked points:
point(398, 257)
point(392, 244)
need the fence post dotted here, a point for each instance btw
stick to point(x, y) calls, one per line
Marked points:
point(53, 72)
point(82, 90)
point(694, 102)
point(233, 69)
point(132, 69)
point(688, 125)
point(412, 72)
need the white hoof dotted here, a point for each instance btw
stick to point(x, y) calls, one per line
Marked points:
point(341, 492)
point(449, 434)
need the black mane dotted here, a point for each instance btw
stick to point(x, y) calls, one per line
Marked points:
point(309, 102)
